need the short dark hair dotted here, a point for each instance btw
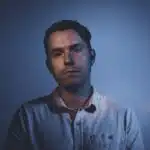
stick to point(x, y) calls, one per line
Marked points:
point(83, 31)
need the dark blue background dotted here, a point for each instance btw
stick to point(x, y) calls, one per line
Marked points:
point(121, 37)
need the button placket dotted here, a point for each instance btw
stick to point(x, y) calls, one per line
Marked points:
point(77, 131)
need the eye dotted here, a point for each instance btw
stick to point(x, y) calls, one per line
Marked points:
point(57, 54)
point(77, 48)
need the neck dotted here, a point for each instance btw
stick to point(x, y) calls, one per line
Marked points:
point(75, 97)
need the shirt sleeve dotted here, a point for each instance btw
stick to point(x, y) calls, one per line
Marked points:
point(134, 137)
point(17, 133)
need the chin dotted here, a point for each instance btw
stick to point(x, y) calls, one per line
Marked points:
point(71, 82)
point(71, 85)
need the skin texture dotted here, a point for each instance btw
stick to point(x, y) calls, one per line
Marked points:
point(67, 50)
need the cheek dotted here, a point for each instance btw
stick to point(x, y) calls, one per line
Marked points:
point(81, 59)
point(57, 66)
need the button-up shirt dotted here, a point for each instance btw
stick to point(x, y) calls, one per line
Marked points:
point(44, 124)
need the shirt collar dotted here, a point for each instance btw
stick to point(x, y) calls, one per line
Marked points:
point(59, 104)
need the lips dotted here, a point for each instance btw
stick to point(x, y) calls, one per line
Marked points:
point(71, 72)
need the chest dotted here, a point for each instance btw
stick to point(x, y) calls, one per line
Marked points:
point(86, 132)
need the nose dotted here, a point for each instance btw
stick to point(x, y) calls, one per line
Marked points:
point(68, 58)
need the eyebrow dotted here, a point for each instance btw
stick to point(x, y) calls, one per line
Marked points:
point(59, 49)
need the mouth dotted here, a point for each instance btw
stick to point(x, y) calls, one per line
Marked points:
point(72, 72)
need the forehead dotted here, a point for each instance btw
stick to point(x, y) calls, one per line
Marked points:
point(64, 38)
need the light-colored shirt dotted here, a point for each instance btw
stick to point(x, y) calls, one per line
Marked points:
point(44, 124)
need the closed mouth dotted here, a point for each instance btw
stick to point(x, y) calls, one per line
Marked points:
point(72, 72)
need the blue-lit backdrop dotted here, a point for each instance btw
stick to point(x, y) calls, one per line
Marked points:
point(121, 37)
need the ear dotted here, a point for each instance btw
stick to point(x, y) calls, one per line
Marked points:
point(93, 56)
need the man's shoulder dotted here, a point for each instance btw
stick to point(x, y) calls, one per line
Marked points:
point(112, 106)
point(108, 104)
point(37, 107)
point(37, 102)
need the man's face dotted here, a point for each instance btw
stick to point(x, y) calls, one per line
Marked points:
point(68, 58)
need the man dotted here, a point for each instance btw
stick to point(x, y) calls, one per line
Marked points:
point(74, 116)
